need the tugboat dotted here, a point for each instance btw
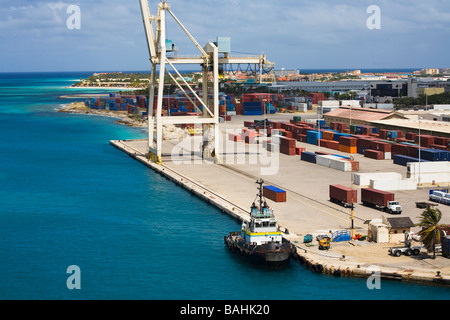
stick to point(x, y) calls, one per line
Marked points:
point(260, 240)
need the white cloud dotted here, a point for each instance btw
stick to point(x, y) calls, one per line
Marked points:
point(293, 33)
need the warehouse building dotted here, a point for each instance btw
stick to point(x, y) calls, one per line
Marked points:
point(359, 116)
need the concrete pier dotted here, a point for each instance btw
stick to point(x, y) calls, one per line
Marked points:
point(230, 186)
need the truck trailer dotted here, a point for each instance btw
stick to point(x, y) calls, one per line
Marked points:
point(380, 199)
point(343, 195)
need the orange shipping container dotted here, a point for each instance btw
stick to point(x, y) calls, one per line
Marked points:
point(327, 135)
point(347, 149)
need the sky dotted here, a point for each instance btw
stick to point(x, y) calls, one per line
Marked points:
point(294, 34)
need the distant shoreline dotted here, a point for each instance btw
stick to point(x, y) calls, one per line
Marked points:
point(105, 88)
point(123, 116)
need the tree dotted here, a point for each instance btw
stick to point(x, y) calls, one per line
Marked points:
point(430, 233)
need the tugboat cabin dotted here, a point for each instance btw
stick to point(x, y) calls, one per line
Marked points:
point(262, 228)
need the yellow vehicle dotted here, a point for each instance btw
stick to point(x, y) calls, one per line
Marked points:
point(325, 243)
point(194, 131)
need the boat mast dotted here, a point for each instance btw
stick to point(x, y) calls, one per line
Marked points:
point(260, 182)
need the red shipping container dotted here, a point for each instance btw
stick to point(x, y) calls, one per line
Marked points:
point(249, 140)
point(299, 150)
point(374, 154)
point(410, 135)
point(355, 165)
point(301, 137)
point(333, 145)
point(382, 133)
point(441, 141)
point(413, 151)
point(380, 198)
point(399, 148)
point(425, 140)
point(381, 146)
point(275, 125)
point(364, 142)
point(342, 194)
point(249, 133)
point(287, 142)
point(274, 194)
point(348, 141)
point(287, 150)
point(436, 146)
point(234, 137)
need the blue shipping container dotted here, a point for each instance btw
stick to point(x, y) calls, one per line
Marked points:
point(275, 189)
point(308, 156)
point(403, 160)
point(434, 155)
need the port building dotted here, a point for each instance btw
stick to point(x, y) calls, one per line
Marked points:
point(359, 116)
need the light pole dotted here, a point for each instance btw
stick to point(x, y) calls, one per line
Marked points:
point(418, 180)
point(351, 183)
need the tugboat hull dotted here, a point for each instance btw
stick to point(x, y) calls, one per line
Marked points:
point(273, 255)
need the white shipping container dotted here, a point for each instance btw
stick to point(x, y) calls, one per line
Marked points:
point(302, 107)
point(324, 160)
point(353, 103)
point(394, 184)
point(363, 179)
point(428, 167)
point(441, 106)
point(432, 178)
point(329, 103)
point(339, 164)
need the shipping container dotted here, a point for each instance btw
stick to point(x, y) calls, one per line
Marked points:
point(274, 193)
point(403, 160)
point(343, 195)
point(308, 156)
point(299, 150)
point(312, 136)
point(347, 149)
point(434, 155)
point(340, 164)
point(290, 151)
point(374, 154)
point(425, 140)
point(333, 145)
point(376, 198)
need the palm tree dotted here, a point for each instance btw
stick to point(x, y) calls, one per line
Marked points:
point(430, 234)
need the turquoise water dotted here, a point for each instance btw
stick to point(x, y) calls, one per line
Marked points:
point(69, 198)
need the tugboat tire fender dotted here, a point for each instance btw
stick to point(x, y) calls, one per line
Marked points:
point(317, 267)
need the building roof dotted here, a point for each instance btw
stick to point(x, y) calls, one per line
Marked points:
point(400, 222)
point(437, 127)
point(363, 114)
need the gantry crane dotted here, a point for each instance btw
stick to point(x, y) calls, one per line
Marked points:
point(209, 59)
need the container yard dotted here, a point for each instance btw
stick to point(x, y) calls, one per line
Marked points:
point(299, 190)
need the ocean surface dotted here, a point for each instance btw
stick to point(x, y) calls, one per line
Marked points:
point(67, 197)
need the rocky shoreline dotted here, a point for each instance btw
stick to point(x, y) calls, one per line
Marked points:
point(123, 116)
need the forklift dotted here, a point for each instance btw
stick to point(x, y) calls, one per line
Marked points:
point(324, 243)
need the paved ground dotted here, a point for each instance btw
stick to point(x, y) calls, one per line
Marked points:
point(307, 209)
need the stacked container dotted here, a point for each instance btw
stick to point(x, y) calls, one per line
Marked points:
point(348, 144)
point(287, 146)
